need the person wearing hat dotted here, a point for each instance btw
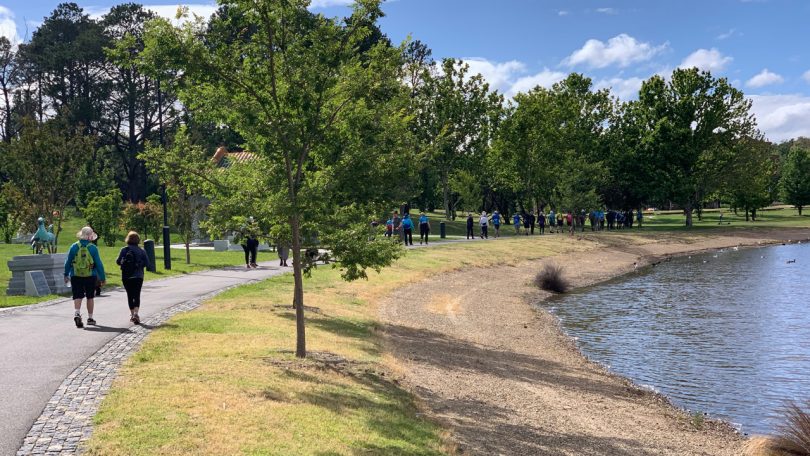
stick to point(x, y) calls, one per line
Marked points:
point(82, 268)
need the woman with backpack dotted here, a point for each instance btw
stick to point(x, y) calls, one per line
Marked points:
point(83, 268)
point(133, 260)
point(407, 229)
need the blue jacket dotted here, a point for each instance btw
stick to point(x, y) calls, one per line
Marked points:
point(98, 267)
point(141, 261)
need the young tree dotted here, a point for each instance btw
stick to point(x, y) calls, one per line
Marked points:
point(44, 167)
point(103, 213)
point(749, 182)
point(170, 167)
point(319, 102)
point(795, 181)
point(692, 123)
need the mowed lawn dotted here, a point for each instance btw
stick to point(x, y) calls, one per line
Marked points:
point(200, 260)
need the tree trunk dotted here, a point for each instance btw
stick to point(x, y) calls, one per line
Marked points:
point(746, 215)
point(298, 293)
point(188, 254)
point(800, 210)
point(446, 194)
point(688, 211)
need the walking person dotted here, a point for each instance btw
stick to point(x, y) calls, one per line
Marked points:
point(516, 222)
point(470, 223)
point(526, 223)
point(397, 226)
point(424, 228)
point(541, 221)
point(407, 229)
point(133, 260)
point(552, 220)
point(483, 221)
point(532, 220)
point(496, 222)
point(82, 268)
point(283, 250)
point(560, 222)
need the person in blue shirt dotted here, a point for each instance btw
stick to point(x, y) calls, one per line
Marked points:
point(82, 268)
point(407, 229)
point(496, 222)
point(424, 228)
point(552, 220)
point(516, 222)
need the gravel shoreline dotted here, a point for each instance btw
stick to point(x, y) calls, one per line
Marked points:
point(500, 374)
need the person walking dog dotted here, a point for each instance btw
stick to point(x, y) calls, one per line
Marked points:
point(82, 268)
point(133, 260)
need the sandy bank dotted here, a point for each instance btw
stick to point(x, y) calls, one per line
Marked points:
point(505, 380)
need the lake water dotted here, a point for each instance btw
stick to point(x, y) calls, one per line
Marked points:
point(725, 333)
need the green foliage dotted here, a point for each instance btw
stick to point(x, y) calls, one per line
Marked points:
point(456, 116)
point(8, 223)
point(145, 218)
point(43, 167)
point(795, 181)
point(688, 128)
point(318, 100)
point(750, 182)
point(103, 213)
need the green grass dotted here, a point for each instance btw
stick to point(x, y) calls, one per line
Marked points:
point(200, 260)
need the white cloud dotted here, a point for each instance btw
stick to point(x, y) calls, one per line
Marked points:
point(806, 76)
point(765, 77)
point(625, 89)
point(782, 117)
point(727, 35)
point(328, 3)
point(707, 59)
point(606, 11)
point(563, 13)
point(545, 78)
point(499, 75)
point(622, 50)
point(204, 10)
point(8, 27)
point(510, 78)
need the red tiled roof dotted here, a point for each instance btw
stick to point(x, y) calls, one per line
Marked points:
point(223, 158)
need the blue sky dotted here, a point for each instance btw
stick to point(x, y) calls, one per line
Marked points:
point(759, 45)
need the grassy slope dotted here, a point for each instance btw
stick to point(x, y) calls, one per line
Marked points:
point(200, 259)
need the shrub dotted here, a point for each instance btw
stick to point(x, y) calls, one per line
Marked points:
point(145, 218)
point(792, 436)
point(103, 213)
point(551, 279)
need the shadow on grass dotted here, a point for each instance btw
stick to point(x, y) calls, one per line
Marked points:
point(359, 330)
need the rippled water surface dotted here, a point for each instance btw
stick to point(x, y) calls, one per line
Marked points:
point(726, 333)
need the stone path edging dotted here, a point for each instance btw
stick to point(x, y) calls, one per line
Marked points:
point(67, 419)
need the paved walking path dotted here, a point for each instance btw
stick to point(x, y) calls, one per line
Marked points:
point(44, 356)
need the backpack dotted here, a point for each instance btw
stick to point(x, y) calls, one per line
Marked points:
point(83, 263)
point(129, 265)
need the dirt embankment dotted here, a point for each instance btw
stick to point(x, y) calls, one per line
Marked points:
point(505, 380)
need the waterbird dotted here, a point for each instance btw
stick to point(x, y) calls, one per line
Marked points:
point(736, 248)
point(705, 261)
point(791, 261)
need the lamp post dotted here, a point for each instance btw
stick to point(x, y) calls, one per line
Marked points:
point(167, 249)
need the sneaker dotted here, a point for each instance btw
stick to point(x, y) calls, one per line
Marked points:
point(78, 320)
point(91, 321)
point(247, 266)
point(136, 319)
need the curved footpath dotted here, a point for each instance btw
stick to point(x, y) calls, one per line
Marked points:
point(501, 375)
point(53, 375)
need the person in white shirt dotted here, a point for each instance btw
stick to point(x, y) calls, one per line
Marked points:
point(484, 221)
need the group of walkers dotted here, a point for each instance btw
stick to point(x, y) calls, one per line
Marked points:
point(559, 222)
point(401, 228)
point(84, 271)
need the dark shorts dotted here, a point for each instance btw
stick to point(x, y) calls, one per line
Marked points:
point(83, 287)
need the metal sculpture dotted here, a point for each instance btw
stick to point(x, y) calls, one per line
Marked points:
point(43, 239)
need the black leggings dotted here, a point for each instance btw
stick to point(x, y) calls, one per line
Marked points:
point(407, 233)
point(470, 233)
point(484, 232)
point(424, 230)
point(250, 251)
point(133, 287)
